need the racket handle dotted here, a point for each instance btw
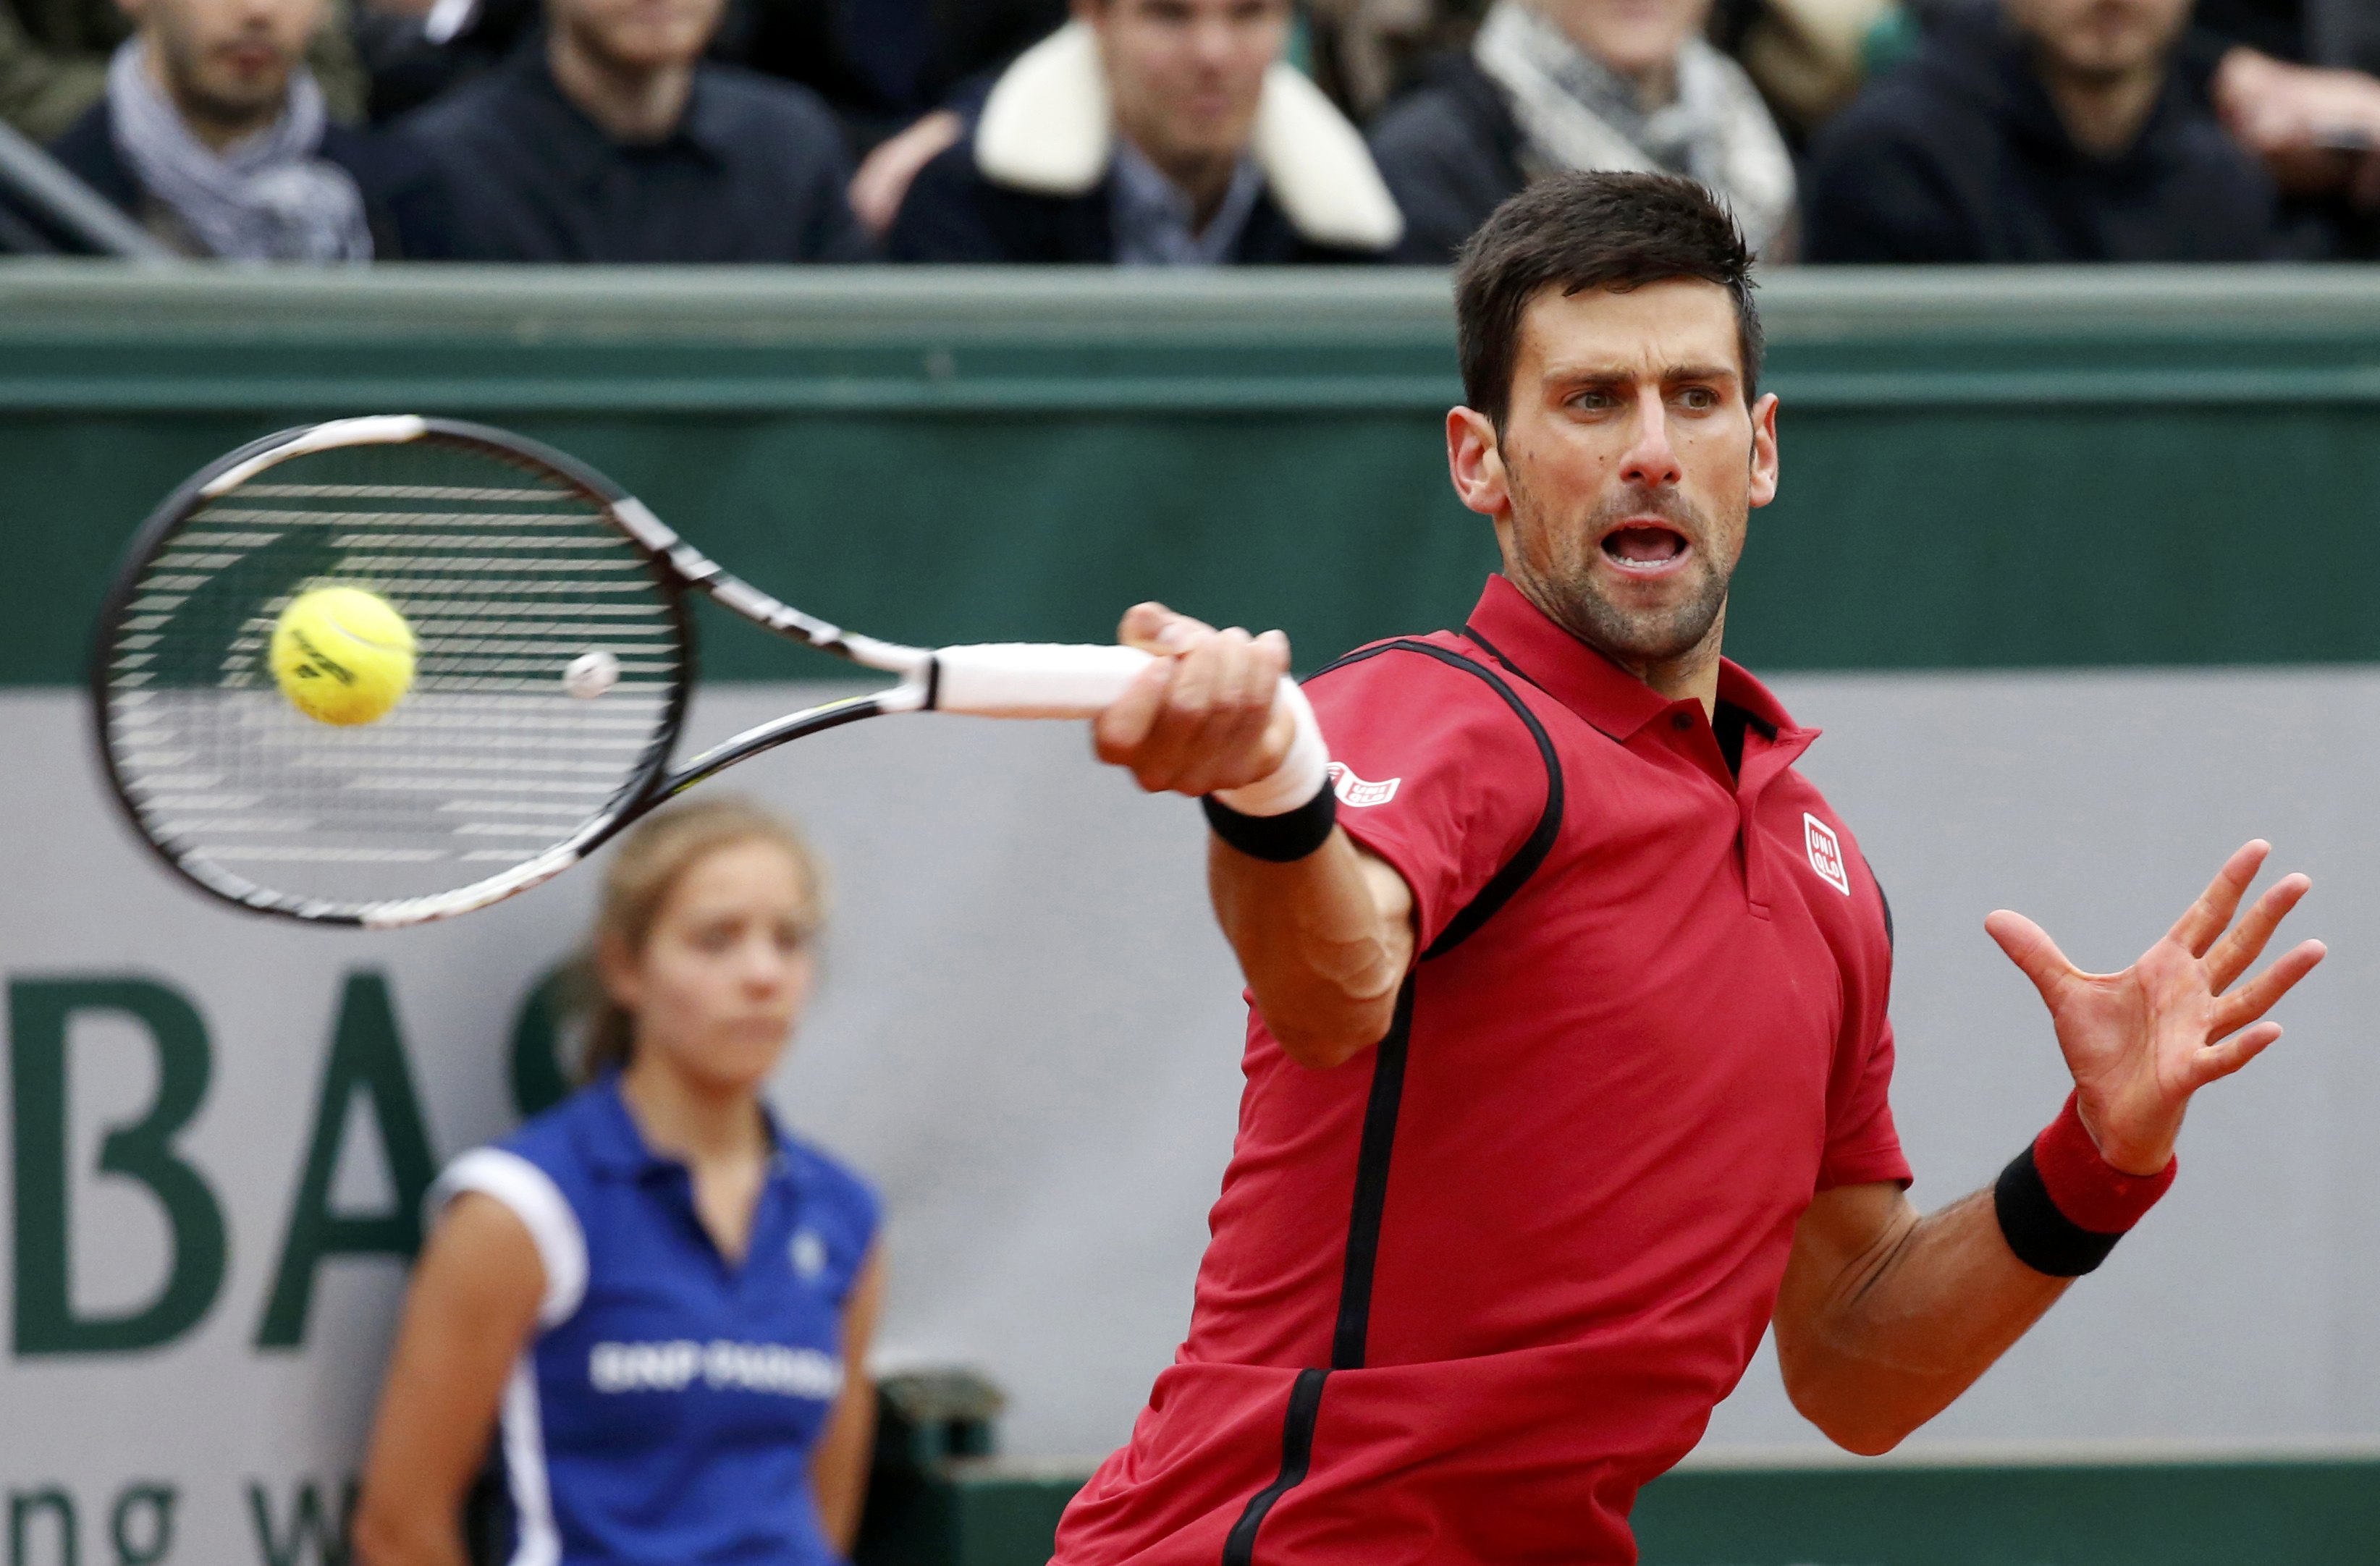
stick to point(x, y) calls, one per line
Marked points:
point(1022, 679)
point(1051, 680)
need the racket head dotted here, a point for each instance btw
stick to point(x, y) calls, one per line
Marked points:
point(509, 560)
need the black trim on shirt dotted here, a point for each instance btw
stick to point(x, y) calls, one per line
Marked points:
point(1355, 1320)
point(1493, 651)
point(1377, 1144)
point(1891, 945)
point(1729, 723)
point(1523, 864)
point(1297, 1456)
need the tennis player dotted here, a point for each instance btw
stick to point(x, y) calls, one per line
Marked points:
point(1567, 1059)
point(668, 1298)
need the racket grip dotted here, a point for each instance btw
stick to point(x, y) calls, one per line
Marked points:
point(1020, 679)
point(1051, 680)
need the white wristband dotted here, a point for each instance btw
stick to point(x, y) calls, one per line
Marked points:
point(1302, 774)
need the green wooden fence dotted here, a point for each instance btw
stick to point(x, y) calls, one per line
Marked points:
point(1981, 470)
point(2311, 1511)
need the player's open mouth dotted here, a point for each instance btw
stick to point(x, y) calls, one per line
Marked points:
point(1645, 547)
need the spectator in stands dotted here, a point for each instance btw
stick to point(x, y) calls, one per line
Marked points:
point(2337, 34)
point(611, 138)
point(1365, 51)
point(898, 74)
point(1811, 57)
point(213, 134)
point(902, 75)
point(53, 58)
point(1153, 132)
point(2045, 130)
point(1553, 85)
point(882, 64)
point(2294, 82)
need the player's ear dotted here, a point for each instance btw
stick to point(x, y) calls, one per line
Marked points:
point(1474, 460)
point(1763, 450)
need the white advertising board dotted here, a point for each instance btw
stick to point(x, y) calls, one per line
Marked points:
point(1028, 1035)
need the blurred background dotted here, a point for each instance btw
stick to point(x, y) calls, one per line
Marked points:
point(959, 319)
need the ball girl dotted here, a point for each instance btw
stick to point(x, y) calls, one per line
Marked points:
point(657, 1298)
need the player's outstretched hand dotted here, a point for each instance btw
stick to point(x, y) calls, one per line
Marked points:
point(2142, 1041)
point(1203, 716)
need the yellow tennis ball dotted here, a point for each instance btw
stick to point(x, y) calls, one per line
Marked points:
point(342, 655)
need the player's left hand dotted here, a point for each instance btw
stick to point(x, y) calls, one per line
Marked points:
point(2142, 1041)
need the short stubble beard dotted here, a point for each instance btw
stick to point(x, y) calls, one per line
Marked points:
point(1638, 639)
point(229, 118)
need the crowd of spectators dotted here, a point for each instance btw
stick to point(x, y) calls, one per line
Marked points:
point(1198, 132)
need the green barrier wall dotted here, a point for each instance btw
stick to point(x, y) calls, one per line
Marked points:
point(2184, 1513)
point(2044, 469)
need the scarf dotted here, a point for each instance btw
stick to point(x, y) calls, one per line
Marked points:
point(266, 197)
point(1575, 114)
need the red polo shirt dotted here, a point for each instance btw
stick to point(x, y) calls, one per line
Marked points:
point(1468, 1292)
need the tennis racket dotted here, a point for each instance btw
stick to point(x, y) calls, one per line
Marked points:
point(555, 652)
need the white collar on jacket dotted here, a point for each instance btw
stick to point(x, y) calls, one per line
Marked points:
point(1047, 128)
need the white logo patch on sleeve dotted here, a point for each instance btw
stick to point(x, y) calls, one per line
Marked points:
point(1826, 852)
point(1353, 790)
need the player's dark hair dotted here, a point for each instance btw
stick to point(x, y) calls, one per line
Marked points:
point(1580, 231)
point(648, 862)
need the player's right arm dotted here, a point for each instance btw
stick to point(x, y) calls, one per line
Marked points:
point(1324, 941)
point(472, 1306)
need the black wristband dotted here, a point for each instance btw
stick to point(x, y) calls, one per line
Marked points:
point(2044, 1238)
point(1291, 835)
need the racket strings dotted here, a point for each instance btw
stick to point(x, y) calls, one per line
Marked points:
point(508, 577)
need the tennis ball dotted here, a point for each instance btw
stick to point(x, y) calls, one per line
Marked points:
point(342, 655)
point(591, 674)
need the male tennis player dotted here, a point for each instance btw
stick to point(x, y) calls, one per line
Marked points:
point(1568, 1056)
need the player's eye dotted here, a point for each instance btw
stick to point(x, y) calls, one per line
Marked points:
point(1699, 399)
point(1593, 400)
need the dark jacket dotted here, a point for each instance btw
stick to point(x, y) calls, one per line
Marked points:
point(955, 213)
point(402, 201)
point(754, 172)
point(1033, 180)
point(878, 64)
point(2339, 33)
point(915, 64)
point(24, 233)
point(1959, 156)
point(1451, 151)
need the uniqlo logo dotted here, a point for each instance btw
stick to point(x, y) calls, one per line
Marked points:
point(1826, 852)
point(1353, 790)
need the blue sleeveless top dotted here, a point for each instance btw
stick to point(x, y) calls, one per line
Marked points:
point(668, 1406)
